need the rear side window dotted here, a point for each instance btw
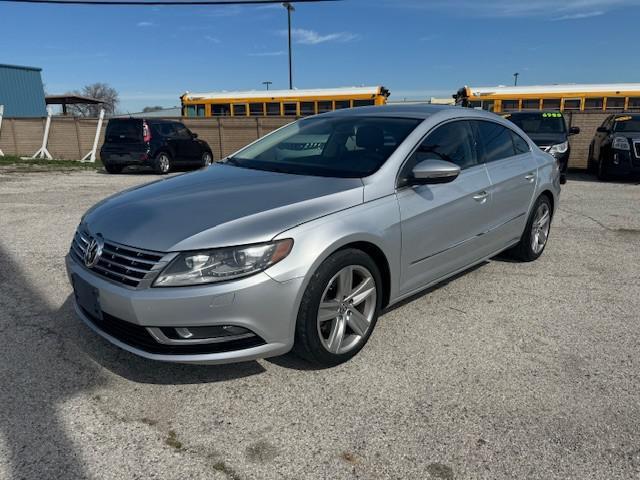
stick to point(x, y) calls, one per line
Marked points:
point(495, 141)
point(519, 143)
point(124, 131)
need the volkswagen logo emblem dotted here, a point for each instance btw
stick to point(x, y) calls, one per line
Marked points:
point(93, 252)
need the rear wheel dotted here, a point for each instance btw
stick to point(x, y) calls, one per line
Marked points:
point(536, 233)
point(339, 309)
point(162, 163)
point(111, 168)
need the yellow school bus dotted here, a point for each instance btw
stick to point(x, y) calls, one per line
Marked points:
point(612, 97)
point(267, 103)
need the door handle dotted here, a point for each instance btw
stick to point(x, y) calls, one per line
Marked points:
point(530, 177)
point(481, 197)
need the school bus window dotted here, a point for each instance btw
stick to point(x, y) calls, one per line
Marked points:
point(593, 103)
point(273, 109)
point(531, 104)
point(220, 109)
point(363, 103)
point(307, 108)
point(572, 104)
point(239, 110)
point(634, 102)
point(256, 109)
point(290, 109)
point(325, 106)
point(200, 110)
point(190, 110)
point(551, 104)
point(343, 104)
point(475, 104)
point(510, 105)
point(615, 103)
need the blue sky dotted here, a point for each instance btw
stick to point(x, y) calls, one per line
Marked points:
point(416, 48)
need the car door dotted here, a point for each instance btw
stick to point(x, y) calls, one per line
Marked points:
point(513, 174)
point(442, 224)
point(189, 150)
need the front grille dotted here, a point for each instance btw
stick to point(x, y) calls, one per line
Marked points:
point(636, 146)
point(122, 264)
point(139, 337)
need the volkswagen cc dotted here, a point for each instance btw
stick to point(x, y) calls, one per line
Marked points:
point(299, 240)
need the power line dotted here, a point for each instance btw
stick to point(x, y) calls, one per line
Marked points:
point(161, 2)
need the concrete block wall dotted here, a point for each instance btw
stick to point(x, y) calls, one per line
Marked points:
point(588, 123)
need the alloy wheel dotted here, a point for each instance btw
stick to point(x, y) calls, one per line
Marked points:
point(164, 163)
point(206, 159)
point(540, 228)
point(347, 308)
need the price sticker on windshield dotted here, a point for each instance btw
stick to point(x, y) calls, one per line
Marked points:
point(626, 118)
point(551, 115)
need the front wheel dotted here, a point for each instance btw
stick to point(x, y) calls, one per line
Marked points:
point(162, 163)
point(534, 239)
point(207, 159)
point(339, 309)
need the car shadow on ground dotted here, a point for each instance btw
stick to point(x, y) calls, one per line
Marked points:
point(292, 361)
point(48, 358)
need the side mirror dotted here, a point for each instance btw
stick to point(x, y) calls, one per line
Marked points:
point(602, 130)
point(574, 130)
point(194, 135)
point(434, 171)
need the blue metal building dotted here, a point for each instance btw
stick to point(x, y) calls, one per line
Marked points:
point(21, 91)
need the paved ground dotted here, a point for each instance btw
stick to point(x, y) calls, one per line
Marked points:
point(510, 371)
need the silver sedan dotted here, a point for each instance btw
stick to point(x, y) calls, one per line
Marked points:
point(301, 239)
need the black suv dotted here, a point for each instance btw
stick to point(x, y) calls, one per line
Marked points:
point(161, 144)
point(549, 131)
point(615, 148)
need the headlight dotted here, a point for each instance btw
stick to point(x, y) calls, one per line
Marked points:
point(559, 148)
point(222, 264)
point(621, 143)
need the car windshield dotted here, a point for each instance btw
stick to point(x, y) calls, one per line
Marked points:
point(347, 147)
point(626, 124)
point(535, 123)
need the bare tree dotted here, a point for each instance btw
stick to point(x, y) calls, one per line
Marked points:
point(99, 91)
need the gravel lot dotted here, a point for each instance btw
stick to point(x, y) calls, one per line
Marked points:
point(509, 371)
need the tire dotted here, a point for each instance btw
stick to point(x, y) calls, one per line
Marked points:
point(207, 159)
point(590, 162)
point(335, 333)
point(536, 233)
point(602, 173)
point(162, 163)
point(111, 168)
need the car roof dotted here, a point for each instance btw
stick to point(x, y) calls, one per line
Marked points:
point(407, 110)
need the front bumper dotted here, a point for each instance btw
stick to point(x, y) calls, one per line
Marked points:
point(258, 303)
point(623, 162)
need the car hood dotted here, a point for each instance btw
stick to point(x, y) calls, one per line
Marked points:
point(547, 139)
point(219, 206)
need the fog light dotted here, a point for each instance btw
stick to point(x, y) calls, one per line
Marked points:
point(201, 333)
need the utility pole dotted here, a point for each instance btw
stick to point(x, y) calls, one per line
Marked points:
point(515, 76)
point(267, 83)
point(290, 9)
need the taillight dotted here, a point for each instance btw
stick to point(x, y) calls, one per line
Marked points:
point(146, 132)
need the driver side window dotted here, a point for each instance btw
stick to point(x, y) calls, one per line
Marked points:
point(453, 142)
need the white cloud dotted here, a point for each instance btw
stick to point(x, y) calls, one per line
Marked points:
point(578, 16)
point(267, 54)
point(311, 37)
point(212, 39)
point(553, 9)
point(145, 24)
